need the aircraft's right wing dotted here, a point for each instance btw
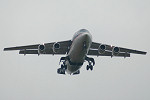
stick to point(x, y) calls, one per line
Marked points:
point(61, 47)
point(98, 49)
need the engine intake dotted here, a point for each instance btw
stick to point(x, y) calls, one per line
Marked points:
point(56, 46)
point(41, 49)
point(116, 51)
point(101, 49)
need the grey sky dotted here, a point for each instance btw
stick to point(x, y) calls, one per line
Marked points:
point(118, 22)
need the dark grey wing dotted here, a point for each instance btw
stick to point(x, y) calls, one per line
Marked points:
point(61, 47)
point(99, 49)
point(22, 47)
point(53, 48)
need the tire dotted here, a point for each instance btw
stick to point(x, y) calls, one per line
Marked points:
point(65, 66)
point(91, 67)
point(87, 67)
point(63, 71)
point(58, 71)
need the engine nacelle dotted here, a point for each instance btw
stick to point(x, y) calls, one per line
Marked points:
point(41, 49)
point(115, 51)
point(101, 49)
point(56, 46)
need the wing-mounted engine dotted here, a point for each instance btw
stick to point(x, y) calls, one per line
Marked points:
point(41, 49)
point(56, 47)
point(115, 51)
point(101, 49)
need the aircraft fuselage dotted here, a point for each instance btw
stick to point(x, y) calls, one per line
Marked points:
point(81, 43)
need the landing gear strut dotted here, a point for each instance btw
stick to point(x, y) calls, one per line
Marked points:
point(91, 63)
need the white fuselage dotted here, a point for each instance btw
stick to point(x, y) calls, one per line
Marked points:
point(81, 43)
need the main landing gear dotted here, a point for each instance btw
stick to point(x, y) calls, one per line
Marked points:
point(91, 63)
point(61, 71)
point(63, 66)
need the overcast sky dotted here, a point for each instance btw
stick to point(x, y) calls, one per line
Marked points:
point(123, 23)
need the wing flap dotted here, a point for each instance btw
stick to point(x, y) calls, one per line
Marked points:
point(36, 52)
point(28, 52)
point(107, 53)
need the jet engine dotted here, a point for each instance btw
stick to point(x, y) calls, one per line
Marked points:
point(41, 49)
point(101, 49)
point(115, 51)
point(56, 46)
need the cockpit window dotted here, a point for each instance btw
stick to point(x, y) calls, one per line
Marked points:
point(76, 35)
point(83, 30)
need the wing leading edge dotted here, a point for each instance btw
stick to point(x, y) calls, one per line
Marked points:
point(108, 50)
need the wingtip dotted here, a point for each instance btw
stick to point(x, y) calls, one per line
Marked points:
point(4, 49)
point(144, 53)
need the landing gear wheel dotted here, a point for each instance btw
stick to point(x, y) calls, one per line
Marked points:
point(91, 67)
point(63, 71)
point(63, 66)
point(60, 71)
point(87, 67)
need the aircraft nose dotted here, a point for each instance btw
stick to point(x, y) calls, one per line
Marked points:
point(86, 36)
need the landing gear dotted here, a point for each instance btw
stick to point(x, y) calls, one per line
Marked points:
point(90, 60)
point(62, 59)
point(63, 66)
point(60, 71)
point(89, 67)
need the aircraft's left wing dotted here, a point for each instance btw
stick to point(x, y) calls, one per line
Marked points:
point(98, 49)
point(61, 47)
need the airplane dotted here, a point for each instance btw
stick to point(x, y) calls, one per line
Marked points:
point(76, 50)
